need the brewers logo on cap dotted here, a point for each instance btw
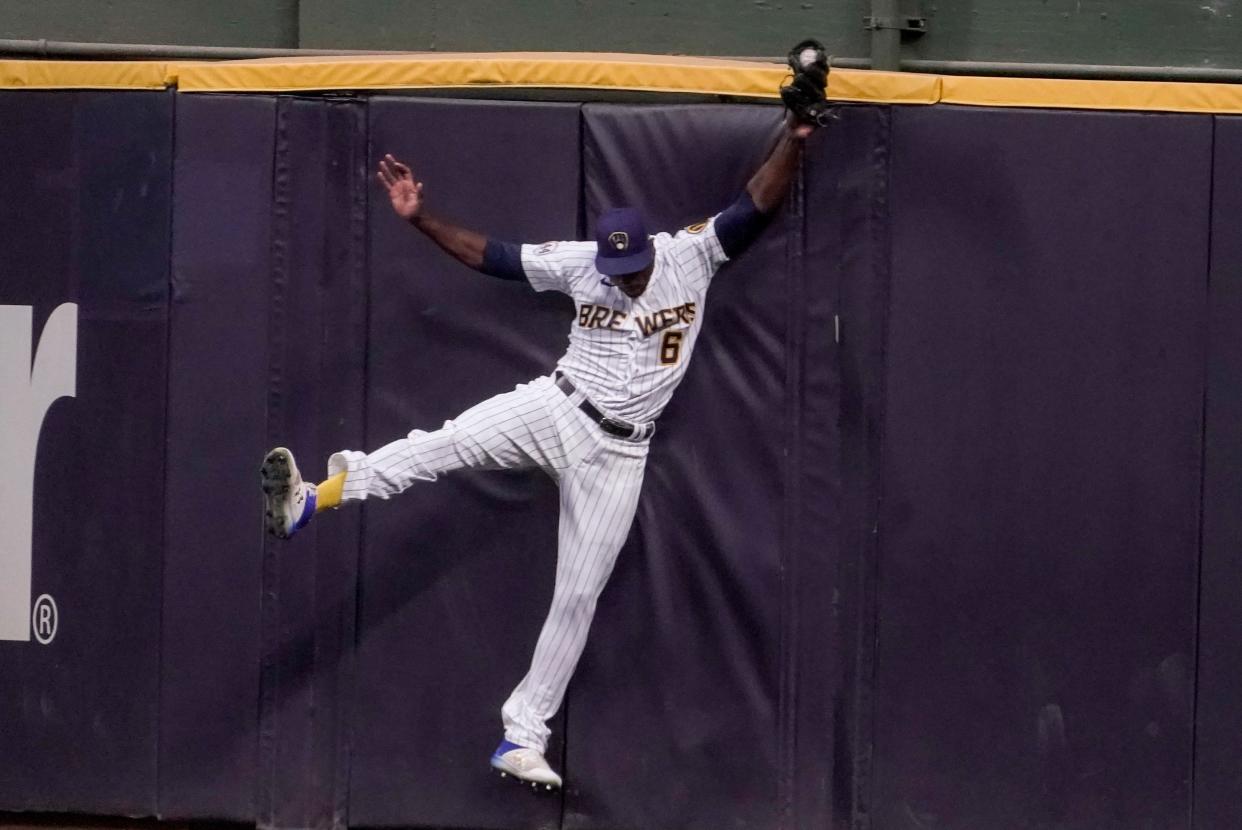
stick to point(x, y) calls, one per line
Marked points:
point(622, 244)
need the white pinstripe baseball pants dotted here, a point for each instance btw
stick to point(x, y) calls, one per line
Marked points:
point(535, 425)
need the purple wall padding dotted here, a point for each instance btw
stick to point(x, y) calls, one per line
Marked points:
point(680, 714)
point(944, 573)
point(456, 576)
point(846, 251)
point(317, 340)
point(811, 665)
point(1218, 717)
point(84, 201)
point(269, 338)
point(1038, 534)
point(222, 232)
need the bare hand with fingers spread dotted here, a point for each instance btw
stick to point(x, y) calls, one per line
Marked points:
point(405, 193)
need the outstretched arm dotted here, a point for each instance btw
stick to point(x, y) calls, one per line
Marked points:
point(770, 184)
point(739, 224)
point(406, 195)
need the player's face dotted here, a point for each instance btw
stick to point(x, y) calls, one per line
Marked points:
point(633, 285)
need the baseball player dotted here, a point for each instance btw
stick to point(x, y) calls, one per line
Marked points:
point(588, 424)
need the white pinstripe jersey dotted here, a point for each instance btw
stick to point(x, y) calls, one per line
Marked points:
point(629, 355)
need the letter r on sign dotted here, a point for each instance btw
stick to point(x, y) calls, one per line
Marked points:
point(27, 390)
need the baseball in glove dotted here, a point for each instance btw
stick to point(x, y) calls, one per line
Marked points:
point(806, 93)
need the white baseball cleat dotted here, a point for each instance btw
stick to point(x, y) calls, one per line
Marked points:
point(288, 501)
point(526, 764)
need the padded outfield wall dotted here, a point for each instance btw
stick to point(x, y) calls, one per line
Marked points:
point(940, 529)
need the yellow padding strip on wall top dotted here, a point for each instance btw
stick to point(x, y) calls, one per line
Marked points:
point(83, 74)
point(547, 70)
point(638, 73)
point(1100, 95)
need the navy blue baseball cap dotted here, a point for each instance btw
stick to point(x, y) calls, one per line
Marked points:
point(623, 246)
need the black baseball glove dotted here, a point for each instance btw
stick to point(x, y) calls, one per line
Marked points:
point(806, 93)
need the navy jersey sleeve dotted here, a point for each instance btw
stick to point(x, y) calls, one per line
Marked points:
point(503, 260)
point(739, 224)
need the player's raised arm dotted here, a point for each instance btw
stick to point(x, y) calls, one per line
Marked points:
point(739, 224)
point(466, 246)
point(770, 184)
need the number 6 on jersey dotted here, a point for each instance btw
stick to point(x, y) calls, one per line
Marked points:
point(670, 347)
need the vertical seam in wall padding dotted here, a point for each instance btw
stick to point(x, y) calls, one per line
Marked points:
point(869, 571)
point(787, 701)
point(362, 235)
point(582, 223)
point(884, 262)
point(168, 303)
point(270, 673)
point(318, 707)
point(798, 526)
point(849, 561)
point(1203, 440)
point(323, 707)
point(842, 736)
point(356, 339)
point(580, 233)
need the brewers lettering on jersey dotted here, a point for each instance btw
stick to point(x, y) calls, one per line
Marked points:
point(640, 303)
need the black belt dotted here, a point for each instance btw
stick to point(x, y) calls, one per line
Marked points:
point(612, 426)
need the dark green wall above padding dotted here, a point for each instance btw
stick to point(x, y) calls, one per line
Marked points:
point(259, 23)
point(735, 27)
point(1205, 33)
